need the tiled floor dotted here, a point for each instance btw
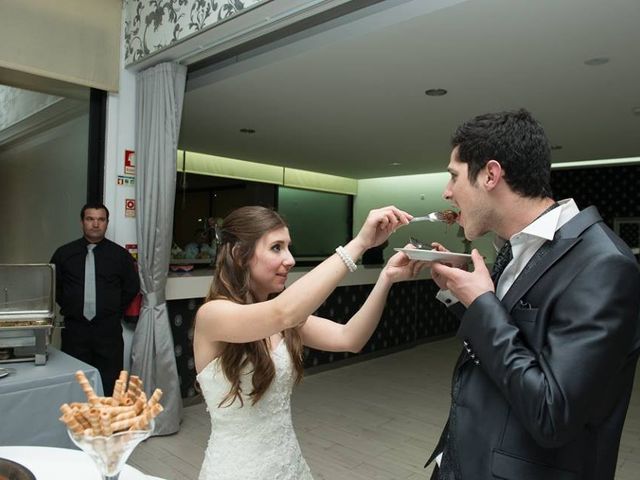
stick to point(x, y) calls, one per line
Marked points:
point(374, 420)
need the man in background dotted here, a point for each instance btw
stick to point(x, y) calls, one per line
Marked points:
point(96, 280)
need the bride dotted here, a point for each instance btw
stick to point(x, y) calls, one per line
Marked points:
point(249, 337)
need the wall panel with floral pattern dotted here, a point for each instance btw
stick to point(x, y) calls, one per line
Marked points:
point(151, 25)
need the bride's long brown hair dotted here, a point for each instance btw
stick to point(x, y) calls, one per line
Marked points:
point(237, 239)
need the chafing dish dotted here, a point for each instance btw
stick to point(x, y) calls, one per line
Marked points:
point(27, 311)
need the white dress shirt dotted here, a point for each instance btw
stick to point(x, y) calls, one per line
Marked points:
point(524, 245)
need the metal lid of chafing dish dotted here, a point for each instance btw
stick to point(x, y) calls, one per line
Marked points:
point(27, 292)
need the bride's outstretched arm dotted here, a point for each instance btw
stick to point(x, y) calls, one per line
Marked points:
point(325, 334)
point(222, 320)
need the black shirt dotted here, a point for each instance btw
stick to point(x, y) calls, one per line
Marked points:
point(117, 281)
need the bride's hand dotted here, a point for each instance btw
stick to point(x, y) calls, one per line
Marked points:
point(401, 267)
point(438, 247)
point(381, 223)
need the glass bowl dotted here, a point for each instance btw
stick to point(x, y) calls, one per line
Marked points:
point(110, 453)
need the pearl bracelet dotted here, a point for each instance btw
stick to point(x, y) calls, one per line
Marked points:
point(346, 258)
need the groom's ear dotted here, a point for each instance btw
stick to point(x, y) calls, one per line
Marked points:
point(492, 175)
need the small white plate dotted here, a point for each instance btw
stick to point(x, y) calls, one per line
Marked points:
point(435, 256)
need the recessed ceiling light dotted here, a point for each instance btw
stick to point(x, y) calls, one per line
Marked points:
point(436, 92)
point(556, 147)
point(247, 130)
point(395, 164)
point(595, 61)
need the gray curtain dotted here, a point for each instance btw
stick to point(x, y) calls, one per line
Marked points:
point(160, 92)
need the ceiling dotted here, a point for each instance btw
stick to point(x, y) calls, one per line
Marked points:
point(348, 97)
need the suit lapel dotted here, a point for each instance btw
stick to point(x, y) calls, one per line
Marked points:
point(542, 261)
point(565, 239)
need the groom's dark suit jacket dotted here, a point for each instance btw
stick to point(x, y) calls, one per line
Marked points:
point(542, 389)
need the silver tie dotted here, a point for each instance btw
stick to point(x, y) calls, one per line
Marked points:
point(89, 310)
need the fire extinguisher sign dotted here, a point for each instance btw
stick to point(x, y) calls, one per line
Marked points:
point(129, 207)
point(129, 162)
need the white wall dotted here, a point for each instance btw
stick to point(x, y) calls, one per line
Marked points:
point(74, 41)
point(120, 136)
point(42, 189)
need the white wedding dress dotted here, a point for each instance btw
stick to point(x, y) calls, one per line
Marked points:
point(252, 442)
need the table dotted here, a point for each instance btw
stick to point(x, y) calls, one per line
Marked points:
point(30, 399)
point(48, 463)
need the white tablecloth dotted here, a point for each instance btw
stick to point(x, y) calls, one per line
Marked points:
point(30, 399)
point(48, 463)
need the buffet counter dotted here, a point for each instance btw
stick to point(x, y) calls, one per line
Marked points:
point(196, 283)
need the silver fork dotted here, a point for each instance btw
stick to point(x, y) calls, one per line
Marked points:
point(417, 243)
point(432, 217)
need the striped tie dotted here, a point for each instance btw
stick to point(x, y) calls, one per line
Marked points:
point(505, 255)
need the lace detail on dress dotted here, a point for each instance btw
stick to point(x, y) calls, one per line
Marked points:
point(252, 442)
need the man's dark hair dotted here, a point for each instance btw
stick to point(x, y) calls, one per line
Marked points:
point(94, 205)
point(517, 141)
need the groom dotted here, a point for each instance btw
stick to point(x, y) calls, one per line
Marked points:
point(552, 338)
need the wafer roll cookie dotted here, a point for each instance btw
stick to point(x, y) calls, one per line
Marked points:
point(84, 411)
point(115, 411)
point(120, 386)
point(75, 413)
point(123, 416)
point(66, 409)
point(155, 398)
point(134, 381)
point(81, 420)
point(142, 420)
point(140, 403)
point(105, 423)
point(93, 415)
point(123, 424)
point(149, 413)
point(72, 423)
point(134, 388)
point(86, 387)
point(155, 409)
point(133, 394)
point(118, 389)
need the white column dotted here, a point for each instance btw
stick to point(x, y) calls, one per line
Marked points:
point(120, 137)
